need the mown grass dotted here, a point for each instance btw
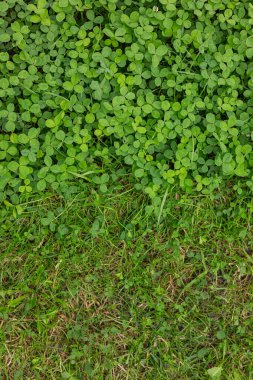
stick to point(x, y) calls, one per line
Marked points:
point(109, 295)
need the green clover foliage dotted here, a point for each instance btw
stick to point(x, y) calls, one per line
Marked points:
point(161, 92)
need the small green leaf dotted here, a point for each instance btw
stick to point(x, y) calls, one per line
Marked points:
point(214, 372)
point(156, 60)
point(17, 301)
point(161, 50)
point(50, 123)
point(60, 135)
point(139, 173)
point(210, 118)
point(68, 86)
point(90, 118)
point(13, 166)
point(10, 126)
point(35, 108)
point(24, 171)
point(151, 48)
point(60, 16)
point(4, 37)
point(120, 32)
point(249, 52)
point(4, 6)
point(249, 41)
point(147, 108)
point(4, 56)
point(221, 335)
point(41, 185)
point(4, 83)
point(35, 19)
point(23, 139)
point(227, 157)
point(176, 106)
point(63, 3)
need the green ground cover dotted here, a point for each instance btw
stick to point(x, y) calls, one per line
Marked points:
point(97, 91)
point(126, 184)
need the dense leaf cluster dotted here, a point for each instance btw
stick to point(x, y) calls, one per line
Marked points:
point(161, 91)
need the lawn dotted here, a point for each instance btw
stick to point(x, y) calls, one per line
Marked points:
point(114, 296)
